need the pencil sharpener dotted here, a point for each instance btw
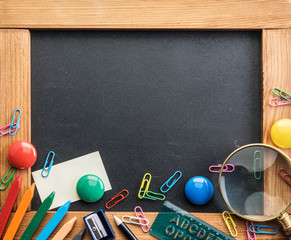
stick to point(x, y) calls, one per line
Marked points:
point(98, 226)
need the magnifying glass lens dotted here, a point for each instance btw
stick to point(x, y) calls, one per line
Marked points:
point(259, 188)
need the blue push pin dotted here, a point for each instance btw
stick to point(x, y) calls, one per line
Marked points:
point(199, 190)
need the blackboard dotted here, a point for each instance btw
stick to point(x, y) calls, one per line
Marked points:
point(148, 101)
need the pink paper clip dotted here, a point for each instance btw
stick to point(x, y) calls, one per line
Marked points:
point(140, 214)
point(226, 168)
point(276, 102)
point(248, 231)
point(285, 175)
point(2, 130)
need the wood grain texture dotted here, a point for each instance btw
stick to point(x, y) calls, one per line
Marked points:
point(214, 219)
point(276, 58)
point(141, 14)
point(15, 93)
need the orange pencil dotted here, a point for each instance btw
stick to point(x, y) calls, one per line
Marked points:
point(66, 228)
point(19, 214)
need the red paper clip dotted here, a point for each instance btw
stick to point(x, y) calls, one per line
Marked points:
point(117, 196)
point(285, 175)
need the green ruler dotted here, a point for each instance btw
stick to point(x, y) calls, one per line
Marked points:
point(173, 222)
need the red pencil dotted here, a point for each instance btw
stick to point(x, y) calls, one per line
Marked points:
point(12, 195)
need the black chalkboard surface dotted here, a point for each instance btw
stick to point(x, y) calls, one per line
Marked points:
point(152, 102)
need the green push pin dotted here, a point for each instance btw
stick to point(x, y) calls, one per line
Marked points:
point(90, 188)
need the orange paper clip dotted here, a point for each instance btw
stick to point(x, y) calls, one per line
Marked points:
point(118, 195)
point(285, 175)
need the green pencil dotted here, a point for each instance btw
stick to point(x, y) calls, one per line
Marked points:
point(41, 212)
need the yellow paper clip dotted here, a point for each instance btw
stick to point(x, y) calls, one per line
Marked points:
point(145, 184)
point(227, 223)
point(6, 180)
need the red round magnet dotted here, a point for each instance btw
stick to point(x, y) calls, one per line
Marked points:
point(22, 155)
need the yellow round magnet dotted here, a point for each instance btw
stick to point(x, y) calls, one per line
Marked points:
point(281, 133)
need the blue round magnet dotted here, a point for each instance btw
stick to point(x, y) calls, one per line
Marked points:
point(199, 190)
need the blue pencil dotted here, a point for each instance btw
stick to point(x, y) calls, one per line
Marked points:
point(53, 223)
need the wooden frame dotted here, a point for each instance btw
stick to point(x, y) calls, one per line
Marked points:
point(273, 18)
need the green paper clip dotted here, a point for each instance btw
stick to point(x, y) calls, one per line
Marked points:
point(153, 196)
point(281, 94)
point(6, 182)
point(258, 158)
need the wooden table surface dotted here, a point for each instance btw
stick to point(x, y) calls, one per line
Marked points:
point(214, 219)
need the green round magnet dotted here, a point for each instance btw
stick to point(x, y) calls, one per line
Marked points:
point(90, 188)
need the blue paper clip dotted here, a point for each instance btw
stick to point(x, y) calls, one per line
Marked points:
point(45, 168)
point(169, 186)
point(257, 229)
point(257, 157)
point(12, 125)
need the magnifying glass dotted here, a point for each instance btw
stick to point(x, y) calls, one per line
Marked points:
point(259, 188)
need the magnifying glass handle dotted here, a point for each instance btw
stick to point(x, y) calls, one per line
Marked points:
point(286, 223)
